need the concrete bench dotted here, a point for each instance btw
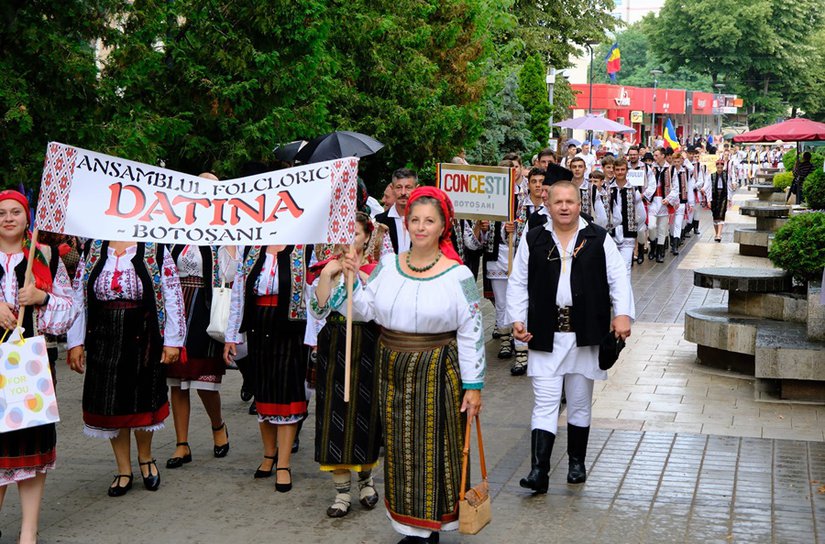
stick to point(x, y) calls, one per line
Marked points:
point(766, 331)
point(769, 217)
point(766, 192)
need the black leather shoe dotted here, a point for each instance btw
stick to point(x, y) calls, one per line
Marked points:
point(151, 482)
point(283, 488)
point(410, 539)
point(221, 451)
point(177, 462)
point(266, 473)
point(541, 446)
point(120, 490)
point(640, 255)
point(246, 394)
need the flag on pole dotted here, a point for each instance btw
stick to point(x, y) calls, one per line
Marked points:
point(669, 136)
point(614, 61)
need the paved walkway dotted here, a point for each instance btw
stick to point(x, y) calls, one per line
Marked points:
point(677, 454)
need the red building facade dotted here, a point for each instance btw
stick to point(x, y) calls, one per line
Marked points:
point(690, 111)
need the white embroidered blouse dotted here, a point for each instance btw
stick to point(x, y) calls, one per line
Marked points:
point(119, 281)
point(444, 303)
point(59, 313)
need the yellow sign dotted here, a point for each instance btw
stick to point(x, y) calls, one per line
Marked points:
point(636, 116)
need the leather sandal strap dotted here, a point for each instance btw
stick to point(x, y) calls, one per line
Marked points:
point(219, 427)
point(152, 462)
point(182, 444)
point(273, 457)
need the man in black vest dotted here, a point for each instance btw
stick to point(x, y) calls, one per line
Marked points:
point(403, 183)
point(566, 276)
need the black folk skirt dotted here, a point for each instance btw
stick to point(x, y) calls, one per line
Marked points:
point(347, 434)
point(125, 384)
point(204, 367)
point(278, 358)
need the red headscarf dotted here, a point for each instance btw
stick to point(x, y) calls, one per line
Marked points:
point(40, 267)
point(444, 244)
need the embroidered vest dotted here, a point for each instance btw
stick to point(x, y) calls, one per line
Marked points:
point(292, 269)
point(151, 255)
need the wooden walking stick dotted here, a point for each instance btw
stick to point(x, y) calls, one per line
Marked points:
point(348, 341)
point(510, 252)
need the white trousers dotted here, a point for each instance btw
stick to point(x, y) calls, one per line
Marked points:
point(500, 292)
point(678, 221)
point(657, 228)
point(547, 392)
point(626, 248)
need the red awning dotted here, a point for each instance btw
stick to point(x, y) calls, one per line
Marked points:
point(792, 130)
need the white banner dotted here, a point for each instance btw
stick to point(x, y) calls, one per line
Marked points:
point(636, 178)
point(98, 196)
point(479, 192)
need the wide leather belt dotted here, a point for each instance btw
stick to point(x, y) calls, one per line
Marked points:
point(564, 322)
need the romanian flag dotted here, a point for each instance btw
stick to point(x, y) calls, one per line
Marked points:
point(670, 136)
point(614, 61)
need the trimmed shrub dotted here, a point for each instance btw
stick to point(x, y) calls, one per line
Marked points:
point(813, 190)
point(799, 246)
point(789, 159)
point(783, 180)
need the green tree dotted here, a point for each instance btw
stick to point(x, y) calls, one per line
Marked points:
point(556, 29)
point(638, 59)
point(758, 49)
point(47, 80)
point(505, 128)
point(412, 74)
point(532, 93)
point(211, 84)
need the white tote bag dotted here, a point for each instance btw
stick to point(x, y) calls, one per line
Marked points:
point(219, 313)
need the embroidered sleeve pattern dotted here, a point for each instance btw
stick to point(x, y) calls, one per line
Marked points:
point(56, 316)
point(174, 334)
point(470, 335)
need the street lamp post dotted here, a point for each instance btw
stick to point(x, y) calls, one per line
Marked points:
point(719, 87)
point(551, 84)
point(590, 77)
point(655, 73)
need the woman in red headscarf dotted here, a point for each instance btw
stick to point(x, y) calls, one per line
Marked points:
point(27, 454)
point(430, 361)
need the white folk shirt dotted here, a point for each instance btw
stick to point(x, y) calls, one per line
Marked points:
point(566, 357)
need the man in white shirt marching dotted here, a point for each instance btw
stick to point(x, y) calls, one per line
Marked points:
point(572, 275)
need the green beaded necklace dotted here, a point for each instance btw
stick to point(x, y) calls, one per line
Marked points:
point(423, 268)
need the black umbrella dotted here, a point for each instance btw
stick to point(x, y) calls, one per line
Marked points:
point(337, 145)
point(286, 152)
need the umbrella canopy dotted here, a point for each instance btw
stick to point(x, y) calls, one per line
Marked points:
point(286, 152)
point(792, 130)
point(336, 145)
point(573, 141)
point(592, 121)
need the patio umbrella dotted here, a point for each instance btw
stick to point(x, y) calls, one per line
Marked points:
point(594, 122)
point(336, 145)
point(286, 152)
point(792, 130)
point(573, 141)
